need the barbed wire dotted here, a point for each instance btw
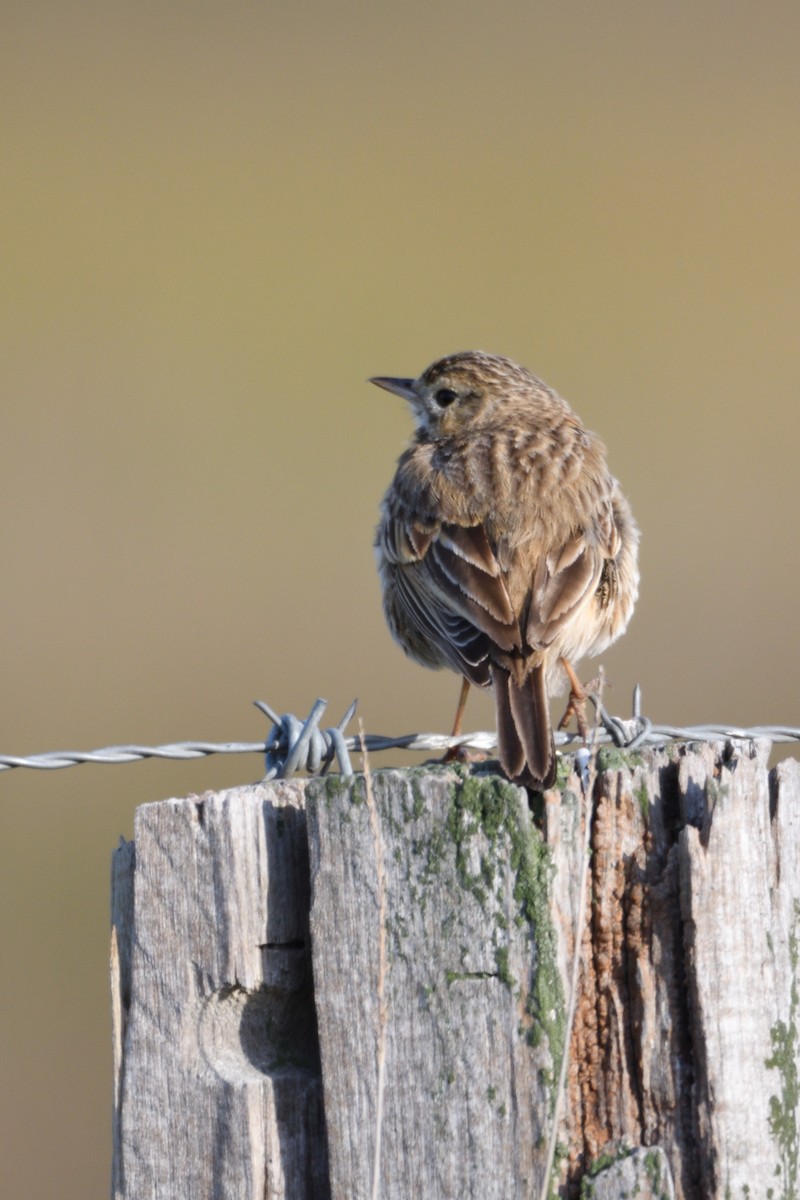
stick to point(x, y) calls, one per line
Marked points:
point(294, 745)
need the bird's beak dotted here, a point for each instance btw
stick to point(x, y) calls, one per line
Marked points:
point(400, 387)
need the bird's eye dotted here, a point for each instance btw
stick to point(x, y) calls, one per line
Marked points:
point(445, 397)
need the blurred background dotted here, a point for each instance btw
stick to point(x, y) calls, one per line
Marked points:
point(218, 220)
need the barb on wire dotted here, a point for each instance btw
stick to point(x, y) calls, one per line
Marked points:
point(628, 734)
point(294, 745)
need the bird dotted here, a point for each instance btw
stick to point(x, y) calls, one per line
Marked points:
point(506, 549)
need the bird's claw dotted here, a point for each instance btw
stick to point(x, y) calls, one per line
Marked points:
point(576, 707)
point(462, 755)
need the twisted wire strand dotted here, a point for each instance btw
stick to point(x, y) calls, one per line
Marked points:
point(294, 745)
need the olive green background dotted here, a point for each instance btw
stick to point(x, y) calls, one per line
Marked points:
point(217, 221)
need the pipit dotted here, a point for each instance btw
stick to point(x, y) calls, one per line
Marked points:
point(506, 549)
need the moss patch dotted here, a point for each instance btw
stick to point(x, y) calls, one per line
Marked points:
point(610, 758)
point(491, 805)
point(783, 1108)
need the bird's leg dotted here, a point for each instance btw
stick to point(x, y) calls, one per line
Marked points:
point(578, 694)
point(462, 704)
point(456, 752)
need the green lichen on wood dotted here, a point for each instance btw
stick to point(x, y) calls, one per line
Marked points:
point(565, 766)
point(653, 1162)
point(643, 798)
point(608, 1158)
point(610, 758)
point(783, 1108)
point(602, 1163)
point(335, 786)
point(491, 805)
point(560, 1156)
point(489, 808)
point(503, 970)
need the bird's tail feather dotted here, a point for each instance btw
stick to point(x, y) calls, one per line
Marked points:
point(524, 732)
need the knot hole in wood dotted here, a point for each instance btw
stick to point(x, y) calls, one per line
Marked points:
point(247, 1034)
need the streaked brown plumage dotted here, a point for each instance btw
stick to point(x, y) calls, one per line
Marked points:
point(505, 546)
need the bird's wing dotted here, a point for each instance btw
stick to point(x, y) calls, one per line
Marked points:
point(566, 576)
point(452, 591)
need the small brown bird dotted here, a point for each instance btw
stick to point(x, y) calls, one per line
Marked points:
point(506, 549)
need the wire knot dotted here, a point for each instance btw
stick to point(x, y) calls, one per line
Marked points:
point(295, 745)
point(626, 734)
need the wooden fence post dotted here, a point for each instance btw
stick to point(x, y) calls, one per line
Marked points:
point(247, 959)
point(218, 1083)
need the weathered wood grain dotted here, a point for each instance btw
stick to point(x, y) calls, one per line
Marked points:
point(686, 1035)
point(636, 1175)
point(686, 1029)
point(123, 864)
point(218, 1088)
point(475, 1005)
point(740, 906)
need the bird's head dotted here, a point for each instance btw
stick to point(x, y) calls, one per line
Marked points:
point(461, 393)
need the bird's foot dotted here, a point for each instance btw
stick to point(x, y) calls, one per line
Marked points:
point(578, 695)
point(462, 755)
